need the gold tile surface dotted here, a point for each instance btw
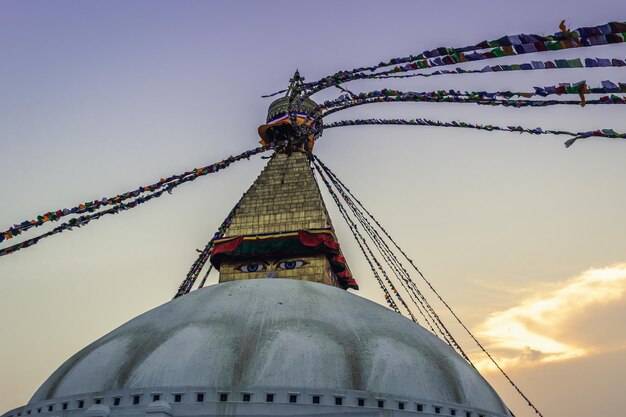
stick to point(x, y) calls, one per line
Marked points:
point(285, 197)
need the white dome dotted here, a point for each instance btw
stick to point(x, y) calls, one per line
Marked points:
point(280, 336)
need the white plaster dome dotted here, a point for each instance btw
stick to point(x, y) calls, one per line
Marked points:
point(277, 335)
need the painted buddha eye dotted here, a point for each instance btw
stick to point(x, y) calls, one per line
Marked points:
point(290, 264)
point(252, 267)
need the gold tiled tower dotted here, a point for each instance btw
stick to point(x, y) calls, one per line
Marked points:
point(281, 228)
point(284, 199)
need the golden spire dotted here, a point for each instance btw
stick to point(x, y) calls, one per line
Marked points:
point(281, 228)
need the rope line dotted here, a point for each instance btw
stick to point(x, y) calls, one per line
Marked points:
point(515, 103)
point(428, 283)
point(575, 63)
point(80, 221)
point(506, 46)
point(206, 275)
point(384, 248)
point(498, 98)
point(380, 248)
point(362, 245)
point(167, 184)
point(195, 269)
point(604, 133)
point(390, 263)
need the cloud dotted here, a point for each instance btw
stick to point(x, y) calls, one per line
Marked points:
point(542, 327)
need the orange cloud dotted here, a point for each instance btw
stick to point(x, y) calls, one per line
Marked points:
point(532, 331)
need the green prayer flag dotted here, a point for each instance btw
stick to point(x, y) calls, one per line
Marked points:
point(554, 46)
point(575, 63)
point(498, 52)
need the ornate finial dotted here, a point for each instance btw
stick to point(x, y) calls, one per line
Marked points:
point(295, 84)
point(285, 120)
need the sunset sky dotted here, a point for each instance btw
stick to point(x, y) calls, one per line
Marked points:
point(524, 238)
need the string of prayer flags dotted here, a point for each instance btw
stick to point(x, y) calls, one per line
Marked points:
point(416, 296)
point(498, 98)
point(91, 206)
point(520, 43)
point(602, 133)
point(607, 87)
point(362, 243)
point(205, 253)
point(80, 221)
point(117, 203)
point(527, 66)
point(444, 332)
point(613, 32)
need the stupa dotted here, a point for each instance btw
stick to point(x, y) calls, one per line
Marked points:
point(279, 335)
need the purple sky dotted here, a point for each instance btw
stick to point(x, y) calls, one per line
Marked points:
point(101, 97)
